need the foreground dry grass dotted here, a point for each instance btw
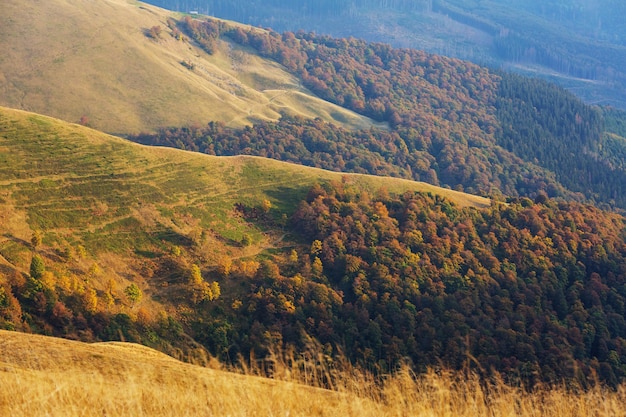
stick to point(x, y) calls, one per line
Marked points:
point(41, 376)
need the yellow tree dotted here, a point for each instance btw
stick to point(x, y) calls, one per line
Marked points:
point(195, 276)
point(266, 205)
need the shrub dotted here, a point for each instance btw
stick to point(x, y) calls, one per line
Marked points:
point(133, 292)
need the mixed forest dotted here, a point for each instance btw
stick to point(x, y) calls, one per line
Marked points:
point(533, 289)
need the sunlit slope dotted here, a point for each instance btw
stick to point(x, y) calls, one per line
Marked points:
point(48, 376)
point(94, 60)
point(110, 194)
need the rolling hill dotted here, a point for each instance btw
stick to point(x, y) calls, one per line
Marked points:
point(51, 167)
point(108, 210)
point(96, 62)
point(86, 188)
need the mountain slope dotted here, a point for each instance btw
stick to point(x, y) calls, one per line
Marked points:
point(100, 200)
point(51, 150)
point(450, 122)
point(66, 178)
point(96, 61)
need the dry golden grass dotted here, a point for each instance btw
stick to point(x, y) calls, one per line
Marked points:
point(74, 58)
point(43, 376)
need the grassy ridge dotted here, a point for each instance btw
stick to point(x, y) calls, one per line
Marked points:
point(75, 59)
point(49, 376)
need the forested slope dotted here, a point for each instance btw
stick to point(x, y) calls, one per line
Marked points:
point(536, 289)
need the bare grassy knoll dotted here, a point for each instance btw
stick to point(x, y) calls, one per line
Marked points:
point(47, 376)
point(95, 59)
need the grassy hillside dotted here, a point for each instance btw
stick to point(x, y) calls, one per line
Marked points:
point(76, 59)
point(106, 207)
point(65, 175)
point(49, 376)
point(85, 188)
